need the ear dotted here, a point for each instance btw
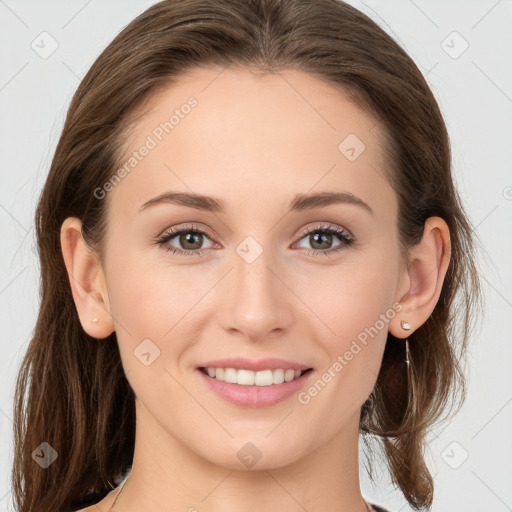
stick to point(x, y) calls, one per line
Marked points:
point(423, 278)
point(86, 279)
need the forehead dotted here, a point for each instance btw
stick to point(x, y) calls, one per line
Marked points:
point(231, 131)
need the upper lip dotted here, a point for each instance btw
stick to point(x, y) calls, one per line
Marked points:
point(242, 363)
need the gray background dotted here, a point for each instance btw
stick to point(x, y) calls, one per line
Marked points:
point(471, 457)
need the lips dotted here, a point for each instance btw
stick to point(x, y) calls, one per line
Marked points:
point(266, 393)
point(254, 396)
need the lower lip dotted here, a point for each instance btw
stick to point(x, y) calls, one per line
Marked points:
point(255, 396)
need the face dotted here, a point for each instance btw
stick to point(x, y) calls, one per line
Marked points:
point(267, 274)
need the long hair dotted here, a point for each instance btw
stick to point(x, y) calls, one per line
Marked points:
point(71, 390)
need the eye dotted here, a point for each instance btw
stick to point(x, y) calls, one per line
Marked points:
point(189, 239)
point(322, 237)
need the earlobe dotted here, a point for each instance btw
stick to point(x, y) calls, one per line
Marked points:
point(86, 280)
point(428, 264)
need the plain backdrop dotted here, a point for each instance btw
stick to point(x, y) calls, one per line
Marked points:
point(464, 50)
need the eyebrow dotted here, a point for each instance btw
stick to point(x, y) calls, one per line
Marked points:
point(300, 202)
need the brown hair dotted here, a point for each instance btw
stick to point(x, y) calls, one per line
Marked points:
point(71, 390)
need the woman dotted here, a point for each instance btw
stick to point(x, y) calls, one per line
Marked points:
point(250, 247)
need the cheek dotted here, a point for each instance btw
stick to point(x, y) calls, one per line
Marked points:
point(156, 301)
point(139, 303)
point(148, 295)
point(354, 306)
point(350, 297)
point(149, 305)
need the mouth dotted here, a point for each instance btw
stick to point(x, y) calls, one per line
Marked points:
point(255, 389)
point(262, 378)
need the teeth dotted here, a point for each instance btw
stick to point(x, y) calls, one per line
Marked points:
point(250, 378)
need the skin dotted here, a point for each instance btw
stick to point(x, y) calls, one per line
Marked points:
point(254, 142)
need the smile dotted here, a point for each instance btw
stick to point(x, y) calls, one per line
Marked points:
point(254, 389)
point(250, 378)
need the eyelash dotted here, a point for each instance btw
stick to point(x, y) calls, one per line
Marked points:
point(346, 238)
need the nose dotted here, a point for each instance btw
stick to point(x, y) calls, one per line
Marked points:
point(257, 304)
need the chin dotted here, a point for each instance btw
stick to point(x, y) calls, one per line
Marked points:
point(249, 453)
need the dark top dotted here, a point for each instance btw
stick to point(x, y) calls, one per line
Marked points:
point(376, 508)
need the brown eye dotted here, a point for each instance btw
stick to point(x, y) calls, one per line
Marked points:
point(320, 241)
point(185, 241)
point(322, 238)
point(190, 240)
